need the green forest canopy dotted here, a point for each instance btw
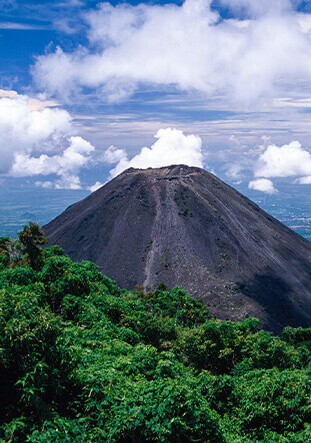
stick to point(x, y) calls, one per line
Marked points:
point(82, 360)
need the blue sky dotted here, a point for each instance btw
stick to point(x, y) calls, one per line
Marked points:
point(86, 85)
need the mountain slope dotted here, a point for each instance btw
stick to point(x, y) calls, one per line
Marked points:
point(183, 226)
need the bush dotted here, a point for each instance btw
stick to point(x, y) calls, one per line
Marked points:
point(21, 275)
point(82, 360)
point(272, 400)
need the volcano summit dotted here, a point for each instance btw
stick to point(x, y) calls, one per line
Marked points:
point(183, 226)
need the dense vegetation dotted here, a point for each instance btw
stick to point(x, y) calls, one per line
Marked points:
point(82, 360)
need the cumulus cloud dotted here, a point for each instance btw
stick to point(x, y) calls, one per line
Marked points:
point(235, 172)
point(263, 185)
point(96, 186)
point(36, 105)
point(187, 46)
point(44, 184)
point(38, 140)
point(114, 155)
point(66, 165)
point(286, 161)
point(290, 160)
point(305, 180)
point(172, 147)
point(7, 93)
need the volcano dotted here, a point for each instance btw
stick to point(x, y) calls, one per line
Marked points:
point(183, 226)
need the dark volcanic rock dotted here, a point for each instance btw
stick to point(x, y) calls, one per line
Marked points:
point(183, 226)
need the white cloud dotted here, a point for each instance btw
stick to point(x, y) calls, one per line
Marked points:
point(305, 180)
point(37, 140)
point(36, 105)
point(114, 155)
point(187, 46)
point(22, 26)
point(96, 186)
point(263, 185)
point(286, 161)
point(172, 147)
point(8, 93)
point(66, 165)
point(45, 184)
point(235, 171)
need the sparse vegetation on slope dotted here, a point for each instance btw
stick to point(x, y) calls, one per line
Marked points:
point(82, 360)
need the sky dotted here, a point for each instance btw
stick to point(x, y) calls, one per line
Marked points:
point(88, 89)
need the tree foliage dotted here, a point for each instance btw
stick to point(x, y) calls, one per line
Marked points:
point(82, 360)
point(31, 238)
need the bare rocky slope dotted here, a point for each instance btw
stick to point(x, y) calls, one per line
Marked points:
point(183, 226)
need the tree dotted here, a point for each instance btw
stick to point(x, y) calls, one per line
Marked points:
point(31, 237)
point(6, 248)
